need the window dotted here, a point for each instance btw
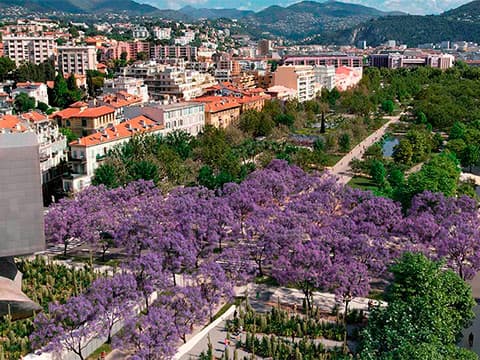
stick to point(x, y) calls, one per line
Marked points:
point(84, 122)
point(67, 123)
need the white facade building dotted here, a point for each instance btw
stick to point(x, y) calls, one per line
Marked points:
point(162, 33)
point(185, 116)
point(88, 153)
point(133, 86)
point(175, 83)
point(298, 77)
point(325, 76)
point(140, 33)
point(38, 91)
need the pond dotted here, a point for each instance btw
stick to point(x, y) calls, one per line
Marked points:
point(388, 146)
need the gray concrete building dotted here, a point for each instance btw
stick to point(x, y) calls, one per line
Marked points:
point(21, 209)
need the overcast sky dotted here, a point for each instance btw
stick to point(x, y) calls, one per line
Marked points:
point(410, 6)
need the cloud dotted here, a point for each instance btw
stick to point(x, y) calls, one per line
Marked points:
point(409, 6)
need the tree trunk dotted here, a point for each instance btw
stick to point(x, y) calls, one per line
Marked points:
point(322, 125)
point(345, 347)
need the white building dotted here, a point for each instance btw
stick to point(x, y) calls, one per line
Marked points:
point(142, 70)
point(140, 33)
point(325, 76)
point(162, 33)
point(186, 39)
point(298, 77)
point(87, 153)
point(133, 86)
point(76, 59)
point(34, 49)
point(175, 83)
point(185, 116)
point(38, 91)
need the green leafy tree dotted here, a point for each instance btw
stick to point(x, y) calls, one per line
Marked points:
point(145, 170)
point(403, 152)
point(6, 67)
point(59, 94)
point(70, 135)
point(470, 156)
point(142, 55)
point(42, 106)
point(106, 174)
point(344, 142)
point(378, 172)
point(457, 131)
point(427, 309)
point(388, 106)
point(24, 103)
point(440, 174)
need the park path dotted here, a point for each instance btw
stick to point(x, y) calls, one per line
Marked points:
point(261, 299)
point(342, 168)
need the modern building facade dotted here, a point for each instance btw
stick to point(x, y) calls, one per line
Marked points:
point(33, 49)
point(76, 59)
point(299, 78)
point(21, 212)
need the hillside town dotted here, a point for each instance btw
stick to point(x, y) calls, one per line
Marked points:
point(213, 184)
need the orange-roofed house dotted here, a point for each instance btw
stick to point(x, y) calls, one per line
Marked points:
point(84, 120)
point(220, 111)
point(119, 101)
point(88, 152)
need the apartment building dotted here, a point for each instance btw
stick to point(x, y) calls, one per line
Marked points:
point(175, 83)
point(186, 38)
point(185, 116)
point(87, 153)
point(264, 47)
point(34, 49)
point(299, 78)
point(220, 111)
point(325, 76)
point(84, 120)
point(411, 59)
point(162, 33)
point(130, 85)
point(129, 49)
point(76, 59)
point(140, 33)
point(52, 145)
point(186, 52)
point(334, 59)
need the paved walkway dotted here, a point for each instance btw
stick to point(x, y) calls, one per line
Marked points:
point(261, 298)
point(470, 176)
point(342, 168)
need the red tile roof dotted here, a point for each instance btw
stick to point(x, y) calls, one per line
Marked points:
point(86, 113)
point(217, 103)
point(123, 130)
point(12, 123)
point(33, 116)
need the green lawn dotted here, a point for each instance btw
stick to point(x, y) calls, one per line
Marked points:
point(363, 183)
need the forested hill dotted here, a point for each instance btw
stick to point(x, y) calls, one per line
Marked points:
point(462, 23)
point(308, 18)
point(82, 6)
